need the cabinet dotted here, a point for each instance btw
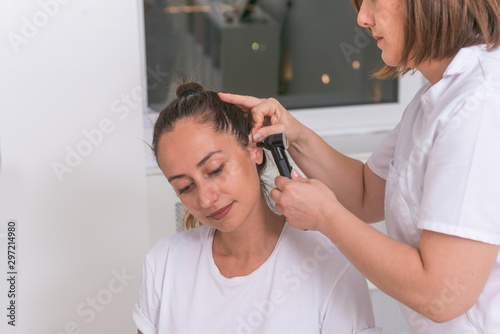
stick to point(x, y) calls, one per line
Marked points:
point(236, 56)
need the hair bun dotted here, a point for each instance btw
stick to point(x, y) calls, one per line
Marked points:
point(189, 86)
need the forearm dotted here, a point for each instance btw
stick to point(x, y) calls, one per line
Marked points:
point(344, 175)
point(401, 271)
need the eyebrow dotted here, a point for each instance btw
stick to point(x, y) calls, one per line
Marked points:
point(198, 165)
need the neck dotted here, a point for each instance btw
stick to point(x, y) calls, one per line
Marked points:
point(256, 238)
point(240, 252)
point(433, 70)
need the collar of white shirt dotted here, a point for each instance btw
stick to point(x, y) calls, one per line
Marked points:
point(464, 59)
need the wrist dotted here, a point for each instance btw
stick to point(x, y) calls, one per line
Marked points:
point(299, 142)
point(337, 216)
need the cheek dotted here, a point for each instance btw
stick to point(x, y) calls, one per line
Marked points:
point(241, 183)
point(245, 173)
point(191, 204)
point(189, 201)
point(392, 49)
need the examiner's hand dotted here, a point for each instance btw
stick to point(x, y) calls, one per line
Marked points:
point(307, 204)
point(281, 119)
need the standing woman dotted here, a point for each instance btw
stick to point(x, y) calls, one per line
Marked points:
point(434, 179)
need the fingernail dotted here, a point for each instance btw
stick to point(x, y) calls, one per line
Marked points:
point(295, 173)
point(258, 136)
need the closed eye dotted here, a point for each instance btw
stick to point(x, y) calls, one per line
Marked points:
point(186, 188)
point(217, 171)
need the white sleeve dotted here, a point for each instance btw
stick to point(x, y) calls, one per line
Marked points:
point(462, 176)
point(147, 307)
point(350, 308)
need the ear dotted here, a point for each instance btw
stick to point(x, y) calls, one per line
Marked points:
point(256, 153)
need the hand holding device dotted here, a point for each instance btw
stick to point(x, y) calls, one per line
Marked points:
point(278, 144)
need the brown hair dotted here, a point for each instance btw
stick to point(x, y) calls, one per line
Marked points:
point(205, 107)
point(438, 29)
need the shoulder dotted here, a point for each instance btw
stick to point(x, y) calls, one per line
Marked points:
point(474, 72)
point(489, 86)
point(490, 59)
point(310, 241)
point(185, 242)
point(312, 257)
point(469, 90)
point(313, 249)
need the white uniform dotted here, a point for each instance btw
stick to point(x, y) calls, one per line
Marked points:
point(305, 286)
point(442, 170)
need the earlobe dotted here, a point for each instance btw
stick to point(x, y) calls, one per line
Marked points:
point(259, 154)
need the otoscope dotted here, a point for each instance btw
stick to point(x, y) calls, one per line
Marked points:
point(278, 144)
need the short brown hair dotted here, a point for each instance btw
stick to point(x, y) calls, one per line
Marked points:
point(438, 29)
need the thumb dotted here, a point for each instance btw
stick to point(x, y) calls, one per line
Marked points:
point(262, 132)
point(295, 175)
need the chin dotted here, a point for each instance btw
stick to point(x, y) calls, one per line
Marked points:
point(225, 227)
point(390, 60)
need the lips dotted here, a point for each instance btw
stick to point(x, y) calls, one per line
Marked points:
point(220, 214)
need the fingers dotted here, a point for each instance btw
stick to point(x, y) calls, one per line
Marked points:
point(274, 110)
point(261, 133)
point(288, 192)
point(285, 200)
point(281, 182)
point(277, 193)
point(295, 174)
point(269, 107)
point(246, 103)
point(241, 101)
point(260, 109)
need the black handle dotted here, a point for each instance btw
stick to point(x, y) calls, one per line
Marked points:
point(277, 144)
point(281, 161)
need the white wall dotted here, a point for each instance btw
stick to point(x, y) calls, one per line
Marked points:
point(71, 80)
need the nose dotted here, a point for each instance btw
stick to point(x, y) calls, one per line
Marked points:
point(365, 14)
point(207, 194)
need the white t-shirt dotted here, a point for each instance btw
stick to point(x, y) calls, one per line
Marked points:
point(442, 170)
point(305, 286)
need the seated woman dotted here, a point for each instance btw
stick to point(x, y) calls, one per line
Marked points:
point(244, 270)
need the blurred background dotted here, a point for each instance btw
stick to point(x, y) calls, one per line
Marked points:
point(306, 53)
point(81, 198)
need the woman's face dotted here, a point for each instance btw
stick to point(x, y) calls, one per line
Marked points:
point(215, 178)
point(385, 20)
